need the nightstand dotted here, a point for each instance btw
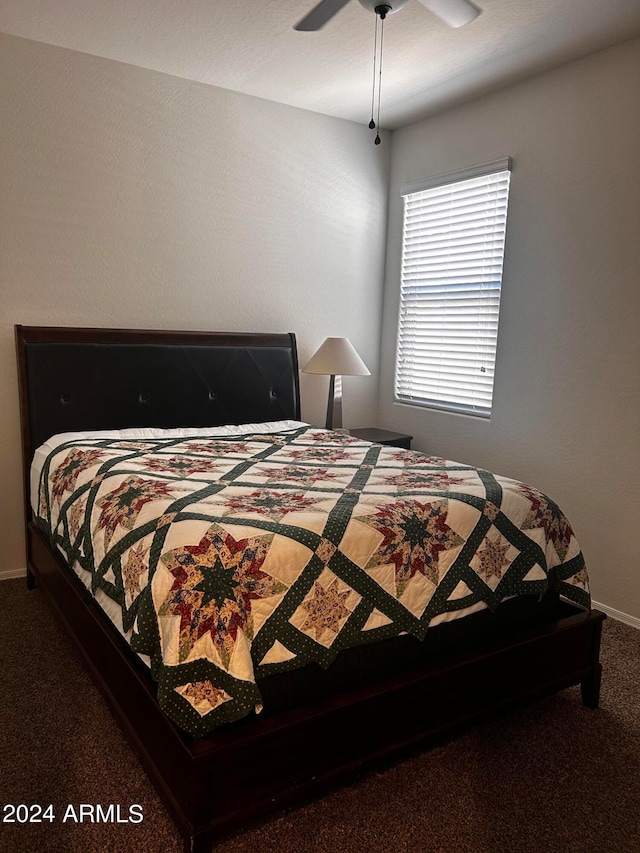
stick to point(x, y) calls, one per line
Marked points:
point(383, 436)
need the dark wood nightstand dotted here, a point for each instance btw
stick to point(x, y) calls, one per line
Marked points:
point(383, 436)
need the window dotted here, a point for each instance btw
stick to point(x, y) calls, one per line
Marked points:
point(452, 251)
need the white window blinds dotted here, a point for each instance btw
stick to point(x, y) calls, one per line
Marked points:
point(452, 253)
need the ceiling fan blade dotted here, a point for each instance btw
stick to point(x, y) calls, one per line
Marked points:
point(319, 15)
point(456, 13)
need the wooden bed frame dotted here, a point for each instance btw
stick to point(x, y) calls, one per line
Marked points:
point(73, 379)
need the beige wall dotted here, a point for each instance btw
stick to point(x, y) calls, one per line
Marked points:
point(566, 414)
point(131, 198)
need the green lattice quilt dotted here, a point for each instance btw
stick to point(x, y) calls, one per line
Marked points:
point(234, 557)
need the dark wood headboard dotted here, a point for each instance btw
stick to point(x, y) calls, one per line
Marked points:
point(86, 379)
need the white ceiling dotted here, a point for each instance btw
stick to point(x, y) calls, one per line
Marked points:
point(250, 46)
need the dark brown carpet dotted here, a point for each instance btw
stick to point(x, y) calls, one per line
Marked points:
point(553, 777)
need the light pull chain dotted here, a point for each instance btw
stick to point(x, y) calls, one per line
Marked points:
point(381, 12)
point(377, 139)
point(372, 123)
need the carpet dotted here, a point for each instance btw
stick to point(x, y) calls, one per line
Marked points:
point(553, 776)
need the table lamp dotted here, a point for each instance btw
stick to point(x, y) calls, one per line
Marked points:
point(336, 358)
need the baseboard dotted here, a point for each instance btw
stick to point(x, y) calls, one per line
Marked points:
point(618, 615)
point(9, 574)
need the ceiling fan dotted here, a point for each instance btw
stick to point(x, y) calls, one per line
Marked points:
point(456, 13)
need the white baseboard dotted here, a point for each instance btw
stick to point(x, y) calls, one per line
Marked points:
point(618, 615)
point(8, 574)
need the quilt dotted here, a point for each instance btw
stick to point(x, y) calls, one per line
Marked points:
point(233, 557)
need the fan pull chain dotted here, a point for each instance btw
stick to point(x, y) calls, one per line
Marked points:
point(372, 123)
point(377, 139)
point(381, 12)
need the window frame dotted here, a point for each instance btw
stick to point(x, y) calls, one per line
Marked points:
point(404, 393)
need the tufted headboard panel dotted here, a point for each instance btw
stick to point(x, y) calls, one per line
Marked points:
point(84, 379)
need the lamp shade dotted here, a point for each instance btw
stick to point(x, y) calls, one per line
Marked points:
point(336, 357)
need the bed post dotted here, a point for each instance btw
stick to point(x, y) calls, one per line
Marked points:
point(590, 686)
point(25, 436)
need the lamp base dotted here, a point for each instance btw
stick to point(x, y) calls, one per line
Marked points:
point(334, 406)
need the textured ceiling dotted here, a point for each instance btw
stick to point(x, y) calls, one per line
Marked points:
point(250, 46)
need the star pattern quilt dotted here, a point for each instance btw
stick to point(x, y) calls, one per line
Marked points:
point(233, 557)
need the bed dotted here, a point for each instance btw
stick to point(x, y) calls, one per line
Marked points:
point(343, 687)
